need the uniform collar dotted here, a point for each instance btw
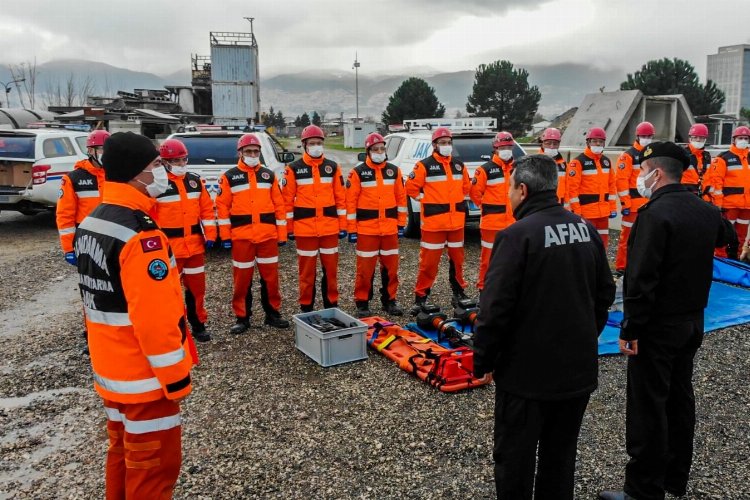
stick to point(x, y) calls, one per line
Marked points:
point(443, 160)
point(695, 151)
point(247, 168)
point(313, 162)
point(119, 193)
point(536, 202)
point(638, 147)
point(738, 151)
point(591, 154)
point(668, 188)
point(89, 167)
point(504, 164)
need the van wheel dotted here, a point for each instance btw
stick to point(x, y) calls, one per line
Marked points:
point(412, 222)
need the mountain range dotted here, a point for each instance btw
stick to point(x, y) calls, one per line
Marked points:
point(332, 92)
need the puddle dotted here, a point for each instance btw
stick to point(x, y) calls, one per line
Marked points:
point(19, 402)
point(59, 298)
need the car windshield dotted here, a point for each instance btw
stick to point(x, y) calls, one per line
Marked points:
point(477, 149)
point(221, 149)
point(17, 146)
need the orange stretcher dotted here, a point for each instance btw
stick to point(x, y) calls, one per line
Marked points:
point(449, 370)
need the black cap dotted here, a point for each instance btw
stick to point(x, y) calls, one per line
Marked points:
point(126, 155)
point(668, 150)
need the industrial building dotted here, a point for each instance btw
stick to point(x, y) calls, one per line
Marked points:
point(730, 71)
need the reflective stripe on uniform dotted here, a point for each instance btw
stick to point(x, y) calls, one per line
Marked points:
point(307, 253)
point(486, 244)
point(224, 222)
point(153, 425)
point(436, 178)
point(304, 182)
point(590, 172)
point(610, 197)
point(389, 182)
point(623, 193)
point(326, 180)
point(243, 265)
point(573, 200)
point(166, 359)
point(281, 222)
point(87, 194)
point(458, 177)
point(734, 167)
point(194, 270)
point(367, 255)
point(455, 244)
point(128, 386)
point(67, 230)
point(368, 184)
point(113, 414)
point(107, 228)
point(194, 195)
point(432, 246)
point(290, 215)
point(172, 261)
point(393, 251)
point(351, 216)
point(603, 231)
point(341, 211)
point(329, 251)
point(267, 260)
point(743, 221)
point(210, 222)
point(169, 199)
point(403, 209)
point(605, 170)
point(263, 185)
point(627, 224)
point(107, 318)
point(499, 180)
point(240, 187)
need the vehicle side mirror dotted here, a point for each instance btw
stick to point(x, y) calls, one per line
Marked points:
point(286, 157)
point(362, 157)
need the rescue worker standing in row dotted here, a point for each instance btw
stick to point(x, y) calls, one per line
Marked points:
point(551, 147)
point(592, 184)
point(185, 214)
point(628, 169)
point(315, 200)
point(695, 177)
point(489, 192)
point(252, 223)
point(440, 183)
point(136, 319)
point(730, 183)
point(376, 216)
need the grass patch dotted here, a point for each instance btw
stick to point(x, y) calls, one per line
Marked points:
point(335, 142)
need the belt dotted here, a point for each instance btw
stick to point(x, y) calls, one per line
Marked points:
point(309, 212)
point(442, 208)
point(370, 214)
point(733, 190)
point(179, 232)
point(489, 209)
point(246, 220)
point(587, 199)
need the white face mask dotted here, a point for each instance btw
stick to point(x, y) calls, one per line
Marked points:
point(645, 141)
point(597, 150)
point(550, 152)
point(315, 151)
point(99, 158)
point(377, 157)
point(445, 150)
point(178, 170)
point(640, 184)
point(698, 144)
point(741, 144)
point(505, 154)
point(251, 161)
point(160, 184)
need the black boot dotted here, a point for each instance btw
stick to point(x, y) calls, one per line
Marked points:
point(458, 296)
point(393, 308)
point(240, 326)
point(275, 320)
point(363, 309)
point(200, 333)
point(306, 308)
point(419, 302)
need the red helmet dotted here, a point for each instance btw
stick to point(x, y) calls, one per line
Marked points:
point(312, 131)
point(96, 138)
point(551, 134)
point(441, 132)
point(596, 133)
point(171, 149)
point(373, 139)
point(698, 130)
point(741, 130)
point(644, 129)
point(502, 139)
point(248, 140)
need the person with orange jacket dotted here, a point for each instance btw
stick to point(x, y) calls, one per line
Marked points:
point(80, 192)
point(440, 183)
point(315, 200)
point(592, 184)
point(550, 141)
point(730, 183)
point(694, 177)
point(489, 192)
point(185, 213)
point(252, 223)
point(140, 348)
point(376, 216)
point(628, 170)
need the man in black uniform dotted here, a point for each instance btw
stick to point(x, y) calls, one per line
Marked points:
point(543, 307)
point(666, 286)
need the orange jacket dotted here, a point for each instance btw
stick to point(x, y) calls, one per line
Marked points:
point(132, 297)
point(695, 177)
point(250, 205)
point(315, 197)
point(591, 185)
point(80, 193)
point(440, 184)
point(181, 212)
point(628, 169)
point(375, 199)
point(489, 192)
point(730, 179)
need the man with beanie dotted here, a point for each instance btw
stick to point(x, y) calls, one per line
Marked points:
point(136, 321)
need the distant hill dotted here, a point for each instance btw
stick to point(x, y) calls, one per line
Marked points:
point(562, 86)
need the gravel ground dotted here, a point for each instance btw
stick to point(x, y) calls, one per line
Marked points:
point(264, 421)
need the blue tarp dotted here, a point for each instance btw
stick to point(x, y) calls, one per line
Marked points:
point(732, 272)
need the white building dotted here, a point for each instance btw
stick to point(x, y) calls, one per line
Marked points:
point(730, 71)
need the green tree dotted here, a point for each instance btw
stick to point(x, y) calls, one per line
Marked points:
point(413, 99)
point(279, 121)
point(502, 92)
point(316, 120)
point(304, 120)
point(745, 114)
point(676, 76)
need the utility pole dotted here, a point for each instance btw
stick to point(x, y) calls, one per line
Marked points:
point(356, 85)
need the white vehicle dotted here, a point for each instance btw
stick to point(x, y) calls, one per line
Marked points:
point(212, 150)
point(472, 144)
point(32, 163)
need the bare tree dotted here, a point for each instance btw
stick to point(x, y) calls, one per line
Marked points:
point(53, 93)
point(69, 91)
point(85, 88)
point(27, 72)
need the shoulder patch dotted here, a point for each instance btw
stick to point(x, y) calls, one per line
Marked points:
point(348, 183)
point(158, 269)
point(621, 166)
point(151, 244)
point(474, 180)
point(412, 175)
point(60, 194)
point(572, 173)
point(283, 181)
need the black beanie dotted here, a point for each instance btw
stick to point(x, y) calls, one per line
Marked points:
point(126, 155)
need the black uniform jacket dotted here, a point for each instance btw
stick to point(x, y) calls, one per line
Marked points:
point(544, 304)
point(670, 260)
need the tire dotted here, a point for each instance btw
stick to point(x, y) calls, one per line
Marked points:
point(412, 229)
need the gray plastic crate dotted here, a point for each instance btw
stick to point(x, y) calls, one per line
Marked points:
point(331, 348)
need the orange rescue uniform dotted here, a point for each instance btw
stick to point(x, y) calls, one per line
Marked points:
point(730, 187)
point(591, 190)
point(562, 185)
point(628, 170)
point(695, 177)
point(80, 193)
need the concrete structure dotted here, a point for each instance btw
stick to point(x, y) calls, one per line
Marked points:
point(730, 71)
point(355, 134)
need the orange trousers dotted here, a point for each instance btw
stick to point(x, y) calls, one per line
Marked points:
point(622, 245)
point(308, 249)
point(193, 273)
point(488, 240)
point(430, 251)
point(602, 227)
point(740, 218)
point(145, 449)
point(245, 256)
point(369, 248)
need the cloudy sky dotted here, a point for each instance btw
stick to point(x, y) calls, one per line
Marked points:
point(389, 35)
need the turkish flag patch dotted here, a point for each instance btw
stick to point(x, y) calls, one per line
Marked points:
point(151, 244)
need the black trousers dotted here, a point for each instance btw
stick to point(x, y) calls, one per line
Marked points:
point(660, 417)
point(523, 425)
